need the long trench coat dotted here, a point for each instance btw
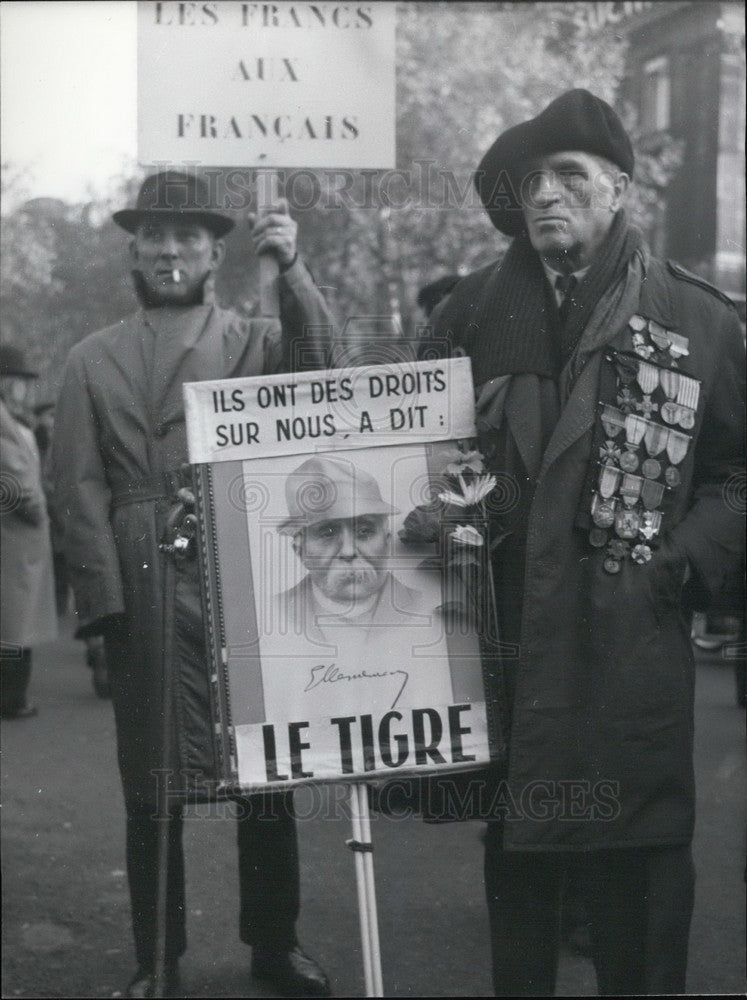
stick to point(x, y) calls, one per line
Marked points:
point(27, 606)
point(601, 702)
point(120, 440)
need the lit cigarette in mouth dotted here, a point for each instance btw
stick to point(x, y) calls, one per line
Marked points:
point(175, 276)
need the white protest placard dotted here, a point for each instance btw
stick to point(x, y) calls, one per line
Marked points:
point(419, 402)
point(282, 84)
point(336, 652)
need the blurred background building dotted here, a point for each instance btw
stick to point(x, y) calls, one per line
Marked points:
point(685, 76)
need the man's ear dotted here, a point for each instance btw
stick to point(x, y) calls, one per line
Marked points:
point(133, 251)
point(620, 187)
point(218, 254)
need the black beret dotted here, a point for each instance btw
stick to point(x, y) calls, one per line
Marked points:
point(577, 120)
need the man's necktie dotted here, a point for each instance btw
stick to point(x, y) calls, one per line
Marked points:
point(565, 284)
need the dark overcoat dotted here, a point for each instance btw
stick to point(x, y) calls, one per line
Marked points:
point(602, 676)
point(120, 440)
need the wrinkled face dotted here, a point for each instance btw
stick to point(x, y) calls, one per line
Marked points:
point(569, 201)
point(174, 258)
point(346, 557)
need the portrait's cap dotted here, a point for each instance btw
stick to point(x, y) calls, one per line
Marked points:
point(578, 121)
point(174, 197)
point(327, 489)
point(13, 362)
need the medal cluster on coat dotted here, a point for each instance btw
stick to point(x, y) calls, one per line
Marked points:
point(645, 442)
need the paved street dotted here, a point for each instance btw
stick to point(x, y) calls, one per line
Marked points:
point(65, 911)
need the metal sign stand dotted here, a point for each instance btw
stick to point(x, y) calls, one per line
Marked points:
point(362, 848)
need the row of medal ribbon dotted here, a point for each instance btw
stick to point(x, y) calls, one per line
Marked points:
point(680, 391)
point(656, 439)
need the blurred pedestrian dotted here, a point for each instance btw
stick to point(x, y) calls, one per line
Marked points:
point(95, 656)
point(44, 433)
point(120, 448)
point(610, 394)
point(27, 608)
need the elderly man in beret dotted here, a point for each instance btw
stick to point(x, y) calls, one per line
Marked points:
point(609, 385)
point(119, 449)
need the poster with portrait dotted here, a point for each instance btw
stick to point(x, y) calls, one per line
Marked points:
point(336, 654)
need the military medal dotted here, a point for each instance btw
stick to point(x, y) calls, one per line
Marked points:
point(598, 537)
point(626, 400)
point(637, 323)
point(677, 445)
point(672, 477)
point(640, 554)
point(688, 395)
point(641, 348)
point(650, 524)
point(603, 511)
point(655, 439)
point(647, 377)
point(646, 406)
point(650, 468)
point(634, 430)
point(609, 480)
point(660, 336)
point(670, 383)
point(652, 493)
point(609, 453)
point(627, 523)
point(613, 420)
point(679, 346)
point(630, 489)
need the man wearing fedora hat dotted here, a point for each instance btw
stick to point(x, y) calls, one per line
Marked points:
point(119, 452)
point(609, 385)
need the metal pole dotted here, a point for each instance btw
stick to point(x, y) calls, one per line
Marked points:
point(362, 847)
point(360, 881)
point(169, 585)
point(368, 869)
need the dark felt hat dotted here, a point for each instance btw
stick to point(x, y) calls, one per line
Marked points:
point(13, 362)
point(577, 120)
point(174, 197)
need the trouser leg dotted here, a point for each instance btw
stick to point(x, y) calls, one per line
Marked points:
point(640, 904)
point(269, 878)
point(142, 874)
point(523, 891)
point(15, 674)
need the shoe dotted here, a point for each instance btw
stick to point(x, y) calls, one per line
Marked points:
point(291, 972)
point(27, 712)
point(143, 984)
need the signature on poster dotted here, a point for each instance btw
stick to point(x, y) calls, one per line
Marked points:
point(330, 673)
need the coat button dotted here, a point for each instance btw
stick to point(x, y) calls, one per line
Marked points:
point(159, 430)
